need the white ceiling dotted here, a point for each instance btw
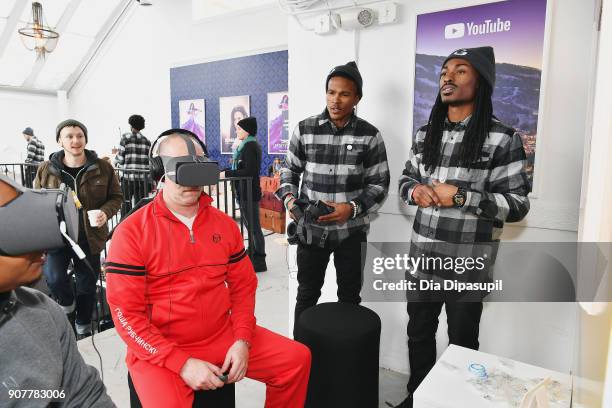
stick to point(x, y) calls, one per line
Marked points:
point(82, 25)
point(206, 9)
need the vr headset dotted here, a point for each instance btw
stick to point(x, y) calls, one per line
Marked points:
point(192, 170)
point(306, 214)
point(38, 220)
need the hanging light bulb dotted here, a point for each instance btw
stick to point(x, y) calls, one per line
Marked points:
point(36, 35)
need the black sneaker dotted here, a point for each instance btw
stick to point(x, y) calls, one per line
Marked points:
point(82, 336)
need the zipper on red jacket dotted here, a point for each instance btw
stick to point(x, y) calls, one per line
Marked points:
point(192, 238)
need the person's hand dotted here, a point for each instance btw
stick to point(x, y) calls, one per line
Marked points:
point(201, 375)
point(222, 175)
point(290, 205)
point(237, 361)
point(425, 196)
point(342, 212)
point(101, 219)
point(445, 193)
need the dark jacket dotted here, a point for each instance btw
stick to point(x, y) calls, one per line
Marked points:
point(98, 189)
point(249, 163)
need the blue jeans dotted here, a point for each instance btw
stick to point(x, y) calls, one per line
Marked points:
point(61, 285)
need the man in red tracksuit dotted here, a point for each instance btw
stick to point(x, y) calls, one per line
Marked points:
point(182, 295)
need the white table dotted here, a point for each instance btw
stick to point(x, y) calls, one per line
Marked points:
point(446, 384)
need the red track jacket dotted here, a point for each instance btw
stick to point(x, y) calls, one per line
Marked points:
point(168, 287)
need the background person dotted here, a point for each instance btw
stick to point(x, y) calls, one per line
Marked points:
point(247, 163)
point(96, 187)
point(35, 155)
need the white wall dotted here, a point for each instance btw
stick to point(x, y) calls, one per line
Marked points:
point(540, 334)
point(19, 110)
point(131, 74)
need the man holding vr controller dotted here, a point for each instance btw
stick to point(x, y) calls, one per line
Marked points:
point(342, 162)
point(181, 290)
point(40, 363)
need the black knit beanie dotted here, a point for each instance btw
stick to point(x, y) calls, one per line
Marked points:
point(70, 123)
point(249, 125)
point(349, 71)
point(481, 58)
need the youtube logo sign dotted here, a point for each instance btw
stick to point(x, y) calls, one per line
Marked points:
point(454, 31)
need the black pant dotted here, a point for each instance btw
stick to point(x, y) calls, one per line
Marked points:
point(28, 175)
point(312, 262)
point(133, 191)
point(55, 270)
point(259, 242)
point(463, 320)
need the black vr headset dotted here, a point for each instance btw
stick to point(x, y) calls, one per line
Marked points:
point(38, 220)
point(306, 214)
point(191, 170)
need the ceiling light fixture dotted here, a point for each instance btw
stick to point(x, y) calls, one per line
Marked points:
point(36, 35)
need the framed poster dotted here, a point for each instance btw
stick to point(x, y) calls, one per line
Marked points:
point(192, 117)
point(232, 109)
point(278, 122)
point(516, 29)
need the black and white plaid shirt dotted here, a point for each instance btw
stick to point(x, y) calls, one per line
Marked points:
point(133, 154)
point(36, 151)
point(496, 186)
point(337, 165)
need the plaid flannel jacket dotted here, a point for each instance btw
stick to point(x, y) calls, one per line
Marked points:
point(36, 151)
point(496, 186)
point(338, 165)
point(133, 154)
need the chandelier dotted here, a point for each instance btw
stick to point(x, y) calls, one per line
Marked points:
point(36, 36)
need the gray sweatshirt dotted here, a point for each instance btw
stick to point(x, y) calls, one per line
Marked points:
point(38, 351)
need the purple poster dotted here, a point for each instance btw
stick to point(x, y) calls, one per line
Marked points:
point(192, 117)
point(515, 29)
point(232, 109)
point(278, 122)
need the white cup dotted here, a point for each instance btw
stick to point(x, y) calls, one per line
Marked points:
point(93, 217)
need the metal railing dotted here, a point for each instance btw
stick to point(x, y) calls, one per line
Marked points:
point(23, 173)
point(137, 185)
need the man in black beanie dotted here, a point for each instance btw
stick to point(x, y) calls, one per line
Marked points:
point(96, 190)
point(35, 156)
point(133, 156)
point(341, 160)
point(465, 190)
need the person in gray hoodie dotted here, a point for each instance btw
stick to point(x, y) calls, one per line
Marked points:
point(40, 364)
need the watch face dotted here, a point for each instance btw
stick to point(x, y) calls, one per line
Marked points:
point(459, 199)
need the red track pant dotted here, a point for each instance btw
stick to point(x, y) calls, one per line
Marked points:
point(281, 363)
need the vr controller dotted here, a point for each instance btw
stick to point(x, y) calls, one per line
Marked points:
point(305, 213)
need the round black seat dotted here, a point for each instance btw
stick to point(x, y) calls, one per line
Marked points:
point(344, 340)
point(223, 397)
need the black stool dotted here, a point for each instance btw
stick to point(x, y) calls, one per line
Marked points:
point(344, 340)
point(220, 398)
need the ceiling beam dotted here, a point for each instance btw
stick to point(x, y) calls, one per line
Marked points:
point(62, 24)
point(31, 91)
point(109, 26)
point(11, 24)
